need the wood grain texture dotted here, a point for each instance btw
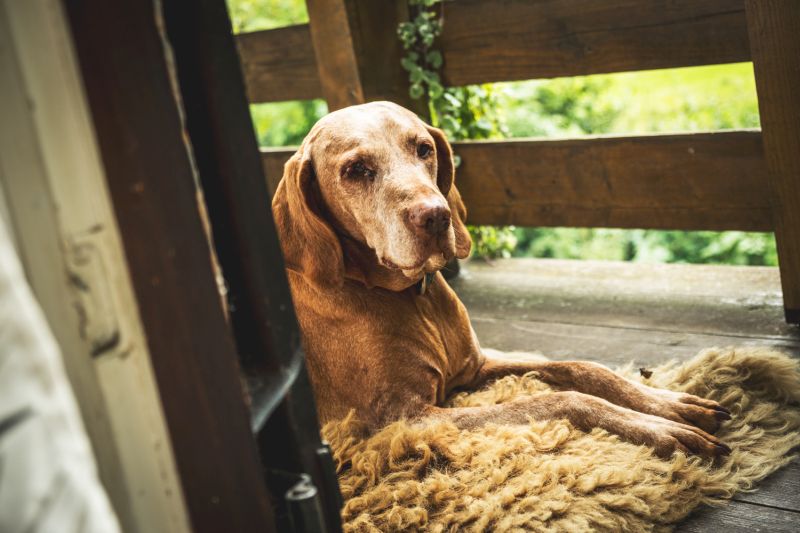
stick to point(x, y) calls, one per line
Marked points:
point(781, 489)
point(775, 39)
point(740, 517)
point(705, 181)
point(152, 187)
point(612, 346)
point(273, 160)
point(379, 51)
point(279, 64)
point(503, 40)
point(337, 62)
point(710, 181)
point(76, 265)
point(260, 307)
point(687, 299)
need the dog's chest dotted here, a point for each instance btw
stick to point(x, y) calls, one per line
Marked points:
point(432, 332)
point(374, 343)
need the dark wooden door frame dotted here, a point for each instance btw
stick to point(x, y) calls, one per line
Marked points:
point(154, 190)
point(218, 122)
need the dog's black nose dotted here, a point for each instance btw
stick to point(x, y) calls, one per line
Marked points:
point(429, 219)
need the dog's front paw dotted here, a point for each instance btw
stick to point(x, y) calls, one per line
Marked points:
point(667, 437)
point(685, 408)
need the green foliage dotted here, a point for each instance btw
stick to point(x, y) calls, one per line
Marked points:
point(561, 107)
point(570, 243)
point(254, 15)
point(687, 99)
point(286, 123)
point(730, 247)
point(491, 242)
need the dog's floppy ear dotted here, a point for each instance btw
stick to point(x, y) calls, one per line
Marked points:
point(310, 247)
point(445, 180)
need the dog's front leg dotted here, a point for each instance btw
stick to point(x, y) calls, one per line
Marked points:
point(596, 380)
point(587, 412)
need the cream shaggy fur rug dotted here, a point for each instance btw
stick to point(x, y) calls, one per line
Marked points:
point(548, 476)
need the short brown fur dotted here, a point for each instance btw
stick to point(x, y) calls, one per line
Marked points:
point(375, 345)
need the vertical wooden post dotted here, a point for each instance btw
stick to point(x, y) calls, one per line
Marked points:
point(137, 119)
point(358, 52)
point(336, 57)
point(774, 28)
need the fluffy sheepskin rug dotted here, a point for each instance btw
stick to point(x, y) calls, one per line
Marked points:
point(548, 476)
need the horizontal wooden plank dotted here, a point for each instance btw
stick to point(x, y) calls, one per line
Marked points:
point(613, 346)
point(614, 312)
point(704, 181)
point(273, 160)
point(502, 40)
point(279, 64)
point(720, 300)
point(780, 489)
point(740, 517)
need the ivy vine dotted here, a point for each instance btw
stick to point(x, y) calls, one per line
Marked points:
point(462, 112)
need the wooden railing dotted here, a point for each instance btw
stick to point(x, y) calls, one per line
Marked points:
point(707, 181)
point(494, 40)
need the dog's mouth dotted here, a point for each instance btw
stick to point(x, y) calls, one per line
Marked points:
point(388, 263)
point(429, 256)
point(426, 266)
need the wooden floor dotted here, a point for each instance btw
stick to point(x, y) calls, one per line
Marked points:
point(618, 312)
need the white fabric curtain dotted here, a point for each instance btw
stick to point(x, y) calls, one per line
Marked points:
point(48, 477)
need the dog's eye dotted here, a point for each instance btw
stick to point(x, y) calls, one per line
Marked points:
point(360, 170)
point(424, 150)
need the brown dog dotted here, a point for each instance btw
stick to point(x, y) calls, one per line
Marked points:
point(367, 214)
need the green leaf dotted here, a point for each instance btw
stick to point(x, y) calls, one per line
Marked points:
point(417, 75)
point(455, 102)
point(415, 91)
point(408, 64)
point(434, 57)
point(449, 123)
point(435, 90)
point(405, 28)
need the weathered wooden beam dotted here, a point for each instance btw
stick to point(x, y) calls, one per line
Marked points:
point(704, 181)
point(279, 64)
point(379, 51)
point(358, 53)
point(775, 40)
point(152, 187)
point(260, 306)
point(337, 61)
point(502, 40)
point(712, 181)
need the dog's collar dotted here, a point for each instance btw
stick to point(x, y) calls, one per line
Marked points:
point(423, 284)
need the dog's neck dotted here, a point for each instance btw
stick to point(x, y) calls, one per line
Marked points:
point(362, 265)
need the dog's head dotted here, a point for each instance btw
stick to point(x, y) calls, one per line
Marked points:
point(379, 176)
